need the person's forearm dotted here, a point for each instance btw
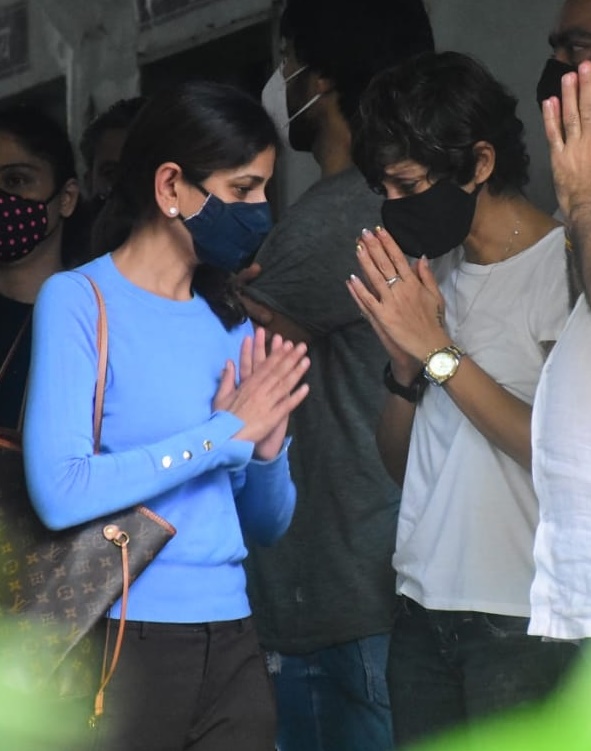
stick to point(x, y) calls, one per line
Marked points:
point(500, 417)
point(579, 221)
point(275, 322)
point(68, 485)
point(393, 435)
point(573, 277)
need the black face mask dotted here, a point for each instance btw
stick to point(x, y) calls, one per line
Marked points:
point(550, 83)
point(433, 222)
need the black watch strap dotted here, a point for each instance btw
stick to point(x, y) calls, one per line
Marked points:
point(411, 393)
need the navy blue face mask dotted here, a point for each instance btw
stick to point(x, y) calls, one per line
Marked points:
point(227, 235)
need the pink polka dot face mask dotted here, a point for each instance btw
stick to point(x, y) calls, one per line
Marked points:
point(23, 224)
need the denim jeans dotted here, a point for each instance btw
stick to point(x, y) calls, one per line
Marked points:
point(335, 699)
point(447, 667)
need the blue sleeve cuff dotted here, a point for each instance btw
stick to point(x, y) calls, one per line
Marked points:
point(211, 443)
point(282, 452)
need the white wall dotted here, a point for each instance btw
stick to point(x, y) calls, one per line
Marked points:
point(510, 37)
point(43, 65)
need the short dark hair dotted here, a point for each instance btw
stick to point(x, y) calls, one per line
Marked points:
point(119, 116)
point(350, 42)
point(203, 127)
point(43, 137)
point(433, 109)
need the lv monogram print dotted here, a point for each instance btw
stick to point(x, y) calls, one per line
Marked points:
point(54, 586)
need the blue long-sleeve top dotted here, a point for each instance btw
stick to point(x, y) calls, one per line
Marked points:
point(161, 443)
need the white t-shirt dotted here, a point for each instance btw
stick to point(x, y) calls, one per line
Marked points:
point(561, 439)
point(469, 513)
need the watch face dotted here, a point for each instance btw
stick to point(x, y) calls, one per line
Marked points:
point(441, 364)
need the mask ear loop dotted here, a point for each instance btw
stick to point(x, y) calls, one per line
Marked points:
point(207, 195)
point(55, 193)
point(293, 75)
point(306, 106)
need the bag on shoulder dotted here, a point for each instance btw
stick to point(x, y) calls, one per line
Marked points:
point(55, 586)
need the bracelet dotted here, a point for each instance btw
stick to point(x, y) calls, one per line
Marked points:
point(411, 393)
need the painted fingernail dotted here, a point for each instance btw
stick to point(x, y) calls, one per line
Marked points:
point(366, 232)
point(353, 278)
point(359, 248)
point(379, 228)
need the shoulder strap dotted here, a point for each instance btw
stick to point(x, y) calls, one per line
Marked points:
point(102, 336)
point(102, 341)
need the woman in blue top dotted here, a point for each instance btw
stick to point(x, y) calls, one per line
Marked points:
point(194, 420)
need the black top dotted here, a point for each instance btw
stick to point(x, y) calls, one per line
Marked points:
point(13, 315)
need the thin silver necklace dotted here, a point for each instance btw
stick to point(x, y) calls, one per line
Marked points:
point(514, 233)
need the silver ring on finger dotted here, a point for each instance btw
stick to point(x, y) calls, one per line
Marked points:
point(392, 280)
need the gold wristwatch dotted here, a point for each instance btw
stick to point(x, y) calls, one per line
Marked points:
point(441, 364)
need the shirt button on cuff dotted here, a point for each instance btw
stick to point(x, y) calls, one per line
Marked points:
point(207, 445)
point(167, 462)
point(187, 455)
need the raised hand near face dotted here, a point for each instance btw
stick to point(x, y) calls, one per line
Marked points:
point(568, 130)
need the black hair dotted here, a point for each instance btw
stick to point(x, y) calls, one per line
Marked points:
point(119, 116)
point(350, 42)
point(203, 127)
point(43, 137)
point(433, 109)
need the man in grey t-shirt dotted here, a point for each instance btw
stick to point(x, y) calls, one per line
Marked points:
point(323, 596)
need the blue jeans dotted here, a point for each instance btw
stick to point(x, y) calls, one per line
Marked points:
point(448, 667)
point(335, 699)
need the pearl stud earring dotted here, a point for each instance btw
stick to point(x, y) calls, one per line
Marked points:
point(173, 211)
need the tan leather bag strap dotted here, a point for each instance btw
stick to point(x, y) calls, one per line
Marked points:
point(102, 345)
point(107, 672)
point(119, 539)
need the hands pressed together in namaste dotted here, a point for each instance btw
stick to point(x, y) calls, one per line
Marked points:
point(402, 302)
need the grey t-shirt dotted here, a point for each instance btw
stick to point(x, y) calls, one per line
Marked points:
point(329, 580)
